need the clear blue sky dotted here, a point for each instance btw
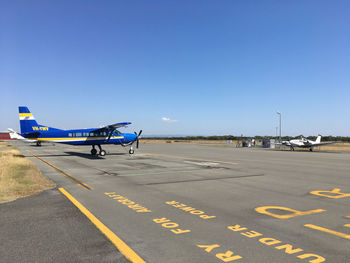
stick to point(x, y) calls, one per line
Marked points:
point(205, 67)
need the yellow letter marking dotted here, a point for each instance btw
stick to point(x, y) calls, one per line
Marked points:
point(294, 213)
point(208, 248)
point(166, 223)
point(228, 256)
point(335, 193)
point(318, 259)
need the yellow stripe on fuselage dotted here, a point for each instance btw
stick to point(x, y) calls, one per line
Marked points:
point(78, 138)
point(25, 115)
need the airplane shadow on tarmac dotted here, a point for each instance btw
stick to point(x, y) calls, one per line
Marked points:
point(78, 154)
point(42, 145)
point(307, 151)
point(89, 156)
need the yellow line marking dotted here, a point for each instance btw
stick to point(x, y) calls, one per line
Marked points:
point(188, 158)
point(120, 245)
point(329, 231)
point(25, 115)
point(71, 177)
point(348, 217)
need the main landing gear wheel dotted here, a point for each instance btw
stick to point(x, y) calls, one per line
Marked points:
point(102, 152)
point(131, 151)
point(38, 143)
point(93, 152)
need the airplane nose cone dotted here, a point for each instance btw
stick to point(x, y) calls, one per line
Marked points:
point(131, 137)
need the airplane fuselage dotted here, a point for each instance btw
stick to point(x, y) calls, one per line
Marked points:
point(80, 136)
point(301, 143)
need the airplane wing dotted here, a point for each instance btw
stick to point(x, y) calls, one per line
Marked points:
point(113, 126)
point(287, 143)
point(323, 143)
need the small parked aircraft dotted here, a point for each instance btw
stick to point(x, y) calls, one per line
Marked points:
point(305, 143)
point(32, 131)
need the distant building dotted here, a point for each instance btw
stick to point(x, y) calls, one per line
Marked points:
point(5, 136)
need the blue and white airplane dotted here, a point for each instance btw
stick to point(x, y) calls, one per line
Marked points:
point(32, 131)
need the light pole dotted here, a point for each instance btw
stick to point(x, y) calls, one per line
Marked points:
point(280, 125)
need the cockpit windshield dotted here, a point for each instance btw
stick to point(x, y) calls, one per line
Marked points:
point(116, 133)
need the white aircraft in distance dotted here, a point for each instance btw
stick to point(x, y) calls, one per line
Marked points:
point(305, 143)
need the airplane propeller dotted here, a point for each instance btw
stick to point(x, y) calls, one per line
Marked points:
point(137, 138)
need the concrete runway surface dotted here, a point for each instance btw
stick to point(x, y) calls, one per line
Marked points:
point(194, 203)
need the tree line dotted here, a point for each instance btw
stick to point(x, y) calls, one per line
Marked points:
point(234, 138)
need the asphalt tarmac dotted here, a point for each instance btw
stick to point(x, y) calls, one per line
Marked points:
point(48, 228)
point(193, 203)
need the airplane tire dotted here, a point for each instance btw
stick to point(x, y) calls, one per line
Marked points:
point(93, 152)
point(102, 152)
point(38, 143)
point(131, 151)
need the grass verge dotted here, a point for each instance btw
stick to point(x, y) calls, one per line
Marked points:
point(19, 177)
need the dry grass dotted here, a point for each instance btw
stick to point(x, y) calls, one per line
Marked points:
point(339, 147)
point(19, 177)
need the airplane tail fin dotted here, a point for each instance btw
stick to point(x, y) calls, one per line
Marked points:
point(28, 123)
point(318, 140)
point(26, 120)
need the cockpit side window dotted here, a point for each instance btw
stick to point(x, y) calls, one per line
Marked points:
point(117, 133)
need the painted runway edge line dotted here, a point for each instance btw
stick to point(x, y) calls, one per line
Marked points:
point(119, 244)
point(71, 177)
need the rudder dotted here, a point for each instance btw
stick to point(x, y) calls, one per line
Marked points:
point(26, 120)
point(318, 140)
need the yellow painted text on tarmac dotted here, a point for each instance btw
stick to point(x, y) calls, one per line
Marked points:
point(131, 204)
point(189, 209)
point(292, 212)
point(277, 244)
point(227, 256)
point(167, 223)
point(335, 193)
